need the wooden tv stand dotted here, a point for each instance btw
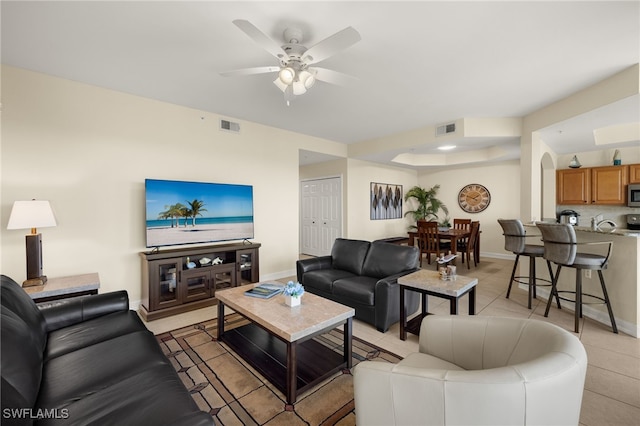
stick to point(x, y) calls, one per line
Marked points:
point(180, 280)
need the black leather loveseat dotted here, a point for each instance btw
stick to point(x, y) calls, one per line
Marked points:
point(363, 275)
point(88, 360)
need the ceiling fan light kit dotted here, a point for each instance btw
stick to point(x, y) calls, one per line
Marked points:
point(287, 75)
point(294, 75)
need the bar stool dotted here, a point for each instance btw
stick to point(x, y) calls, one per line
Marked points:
point(560, 247)
point(515, 242)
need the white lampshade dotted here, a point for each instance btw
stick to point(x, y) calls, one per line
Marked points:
point(280, 84)
point(298, 88)
point(307, 79)
point(31, 214)
point(287, 75)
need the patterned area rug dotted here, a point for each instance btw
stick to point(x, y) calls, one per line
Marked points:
point(235, 394)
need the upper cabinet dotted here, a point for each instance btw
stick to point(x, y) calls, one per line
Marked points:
point(595, 185)
point(573, 186)
point(609, 185)
point(634, 173)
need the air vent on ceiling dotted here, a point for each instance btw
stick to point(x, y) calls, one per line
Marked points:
point(229, 126)
point(445, 129)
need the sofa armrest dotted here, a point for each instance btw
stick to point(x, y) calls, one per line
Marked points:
point(387, 297)
point(63, 313)
point(393, 279)
point(312, 264)
point(373, 393)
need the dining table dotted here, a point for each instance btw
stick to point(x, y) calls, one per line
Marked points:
point(452, 235)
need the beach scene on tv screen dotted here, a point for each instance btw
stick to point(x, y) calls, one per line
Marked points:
point(192, 212)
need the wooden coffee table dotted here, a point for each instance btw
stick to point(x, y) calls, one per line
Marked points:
point(428, 283)
point(278, 342)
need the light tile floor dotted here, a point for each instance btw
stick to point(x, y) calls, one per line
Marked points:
point(612, 386)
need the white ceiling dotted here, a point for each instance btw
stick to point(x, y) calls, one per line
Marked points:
point(419, 63)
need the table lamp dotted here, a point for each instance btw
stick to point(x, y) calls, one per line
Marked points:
point(32, 215)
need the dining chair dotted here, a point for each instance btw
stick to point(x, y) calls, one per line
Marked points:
point(470, 246)
point(561, 248)
point(515, 241)
point(462, 224)
point(465, 225)
point(429, 241)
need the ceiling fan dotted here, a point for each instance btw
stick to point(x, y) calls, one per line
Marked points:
point(295, 74)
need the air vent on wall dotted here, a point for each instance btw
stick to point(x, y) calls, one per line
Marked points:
point(229, 126)
point(445, 129)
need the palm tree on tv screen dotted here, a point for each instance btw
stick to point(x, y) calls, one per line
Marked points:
point(173, 212)
point(196, 209)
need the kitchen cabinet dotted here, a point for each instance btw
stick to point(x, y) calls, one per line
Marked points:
point(573, 186)
point(593, 185)
point(609, 185)
point(634, 173)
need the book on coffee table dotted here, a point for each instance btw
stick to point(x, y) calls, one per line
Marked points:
point(265, 290)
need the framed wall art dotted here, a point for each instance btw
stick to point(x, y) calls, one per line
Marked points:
point(385, 201)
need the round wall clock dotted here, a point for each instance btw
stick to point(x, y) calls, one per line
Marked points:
point(474, 198)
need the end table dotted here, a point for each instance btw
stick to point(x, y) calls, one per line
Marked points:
point(65, 287)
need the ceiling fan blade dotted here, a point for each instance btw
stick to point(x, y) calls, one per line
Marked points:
point(331, 45)
point(333, 77)
point(250, 71)
point(261, 38)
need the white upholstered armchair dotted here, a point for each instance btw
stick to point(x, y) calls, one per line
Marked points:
point(474, 370)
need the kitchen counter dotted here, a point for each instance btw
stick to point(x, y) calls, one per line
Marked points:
point(610, 231)
point(622, 276)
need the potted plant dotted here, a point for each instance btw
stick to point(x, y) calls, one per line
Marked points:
point(445, 223)
point(428, 204)
point(292, 293)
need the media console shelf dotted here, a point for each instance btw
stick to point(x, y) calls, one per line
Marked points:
point(184, 279)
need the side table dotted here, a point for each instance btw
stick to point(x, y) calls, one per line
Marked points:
point(65, 287)
point(428, 283)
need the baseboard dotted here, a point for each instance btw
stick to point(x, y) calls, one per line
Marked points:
point(503, 256)
point(279, 275)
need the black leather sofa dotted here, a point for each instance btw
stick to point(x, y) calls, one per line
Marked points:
point(363, 275)
point(87, 360)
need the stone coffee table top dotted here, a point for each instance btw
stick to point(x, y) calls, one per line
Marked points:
point(430, 280)
point(314, 314)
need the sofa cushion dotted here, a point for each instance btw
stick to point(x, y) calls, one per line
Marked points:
point(349, 255)
point(87, 333)
point(385, 259)
point(97, 367)
point(360, 290)
point(323, 279)
point(151, 396)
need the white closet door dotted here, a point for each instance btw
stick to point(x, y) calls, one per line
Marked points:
point(321, 215)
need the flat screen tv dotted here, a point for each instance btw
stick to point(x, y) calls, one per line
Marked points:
point(179, 212)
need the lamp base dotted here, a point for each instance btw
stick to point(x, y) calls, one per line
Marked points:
point(35, 281)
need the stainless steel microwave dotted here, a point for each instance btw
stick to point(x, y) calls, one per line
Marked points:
point(634, 195)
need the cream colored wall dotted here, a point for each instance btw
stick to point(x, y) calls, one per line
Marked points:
point(357, 176)
point(503, 182)
point(88, 151)
point(601, 158)
point(361, 174)
point(619, 86)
